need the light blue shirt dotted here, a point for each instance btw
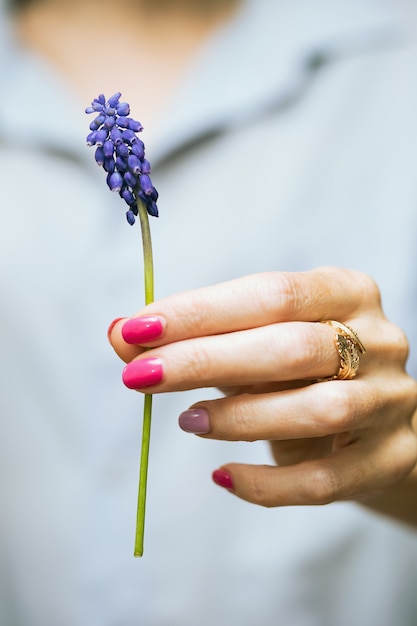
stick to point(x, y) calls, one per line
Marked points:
point(291, 143)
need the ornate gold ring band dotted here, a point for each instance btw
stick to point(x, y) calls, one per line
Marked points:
point(349, 348)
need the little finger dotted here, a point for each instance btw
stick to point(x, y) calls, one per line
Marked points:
point(354, 472)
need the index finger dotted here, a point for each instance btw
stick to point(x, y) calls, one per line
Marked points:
point(250, 302)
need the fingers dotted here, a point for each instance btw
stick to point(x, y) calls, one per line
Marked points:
point(367, 466)
point(347, 439)
point(315, 411)
point(279, 352)
point(287, 351)
point(249, 302)
point(258, 338)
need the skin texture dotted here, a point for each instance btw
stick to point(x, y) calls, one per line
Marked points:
point(331, 440)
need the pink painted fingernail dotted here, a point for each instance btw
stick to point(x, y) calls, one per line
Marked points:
point(112, 325)
point(143, 373)
point(142, 329)
point(195, 421)
point(222, 478)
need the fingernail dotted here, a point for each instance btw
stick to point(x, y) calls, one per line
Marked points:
point(222, 478)
point(112, 325)
point(195, 421)
point(143, 373)
point(142, 329)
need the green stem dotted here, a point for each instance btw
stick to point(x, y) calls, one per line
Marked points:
point(147, 409)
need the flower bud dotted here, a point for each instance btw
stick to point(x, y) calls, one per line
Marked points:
point(129, 136)
point(122, 150)
point(130, 217)
point(123, 109)
point(91, 138)
point(138, 149)
point(116, 136)
point(109, 122)
point(95, 124)
point(128, 196)
point(97, 106)
point(146, 184)
point(130, 179)
point(115, 181)
point(109, 165)
point(152, 209)
point(134, 164)
point(101, 137)
point(108, 147)
point(99, 156)
point(121, 164)
point(113, 101)
point(134, 125)
point(146, 166)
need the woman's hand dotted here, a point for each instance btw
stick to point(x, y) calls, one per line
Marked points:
point(257, 338)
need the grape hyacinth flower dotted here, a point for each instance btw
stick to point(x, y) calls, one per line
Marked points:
point(122, 155)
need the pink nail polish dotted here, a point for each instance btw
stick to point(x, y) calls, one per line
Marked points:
point(142, 329)
point(143, 373)
point(112, 325)
point(223, 479)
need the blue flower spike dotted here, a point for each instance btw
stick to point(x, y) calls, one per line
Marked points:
point(121, 154)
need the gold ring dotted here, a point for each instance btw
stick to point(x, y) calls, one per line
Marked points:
point(349, 347)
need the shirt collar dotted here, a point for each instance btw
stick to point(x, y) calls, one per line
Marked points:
point(258, 61)
point(264, 57)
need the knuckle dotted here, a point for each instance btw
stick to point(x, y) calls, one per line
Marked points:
point(391, 343)
point(368, 288)
point(317, 353)
point(260, 490)
point(406, 456)
point(400, 344)
point(404, 399)
point(283, 291)
point(366, 291)
point(324, 485)
point(240, 423)
point(196, 361)
point(310, 353)
point(409, 450)
point(191, 312)
point(337, 409)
